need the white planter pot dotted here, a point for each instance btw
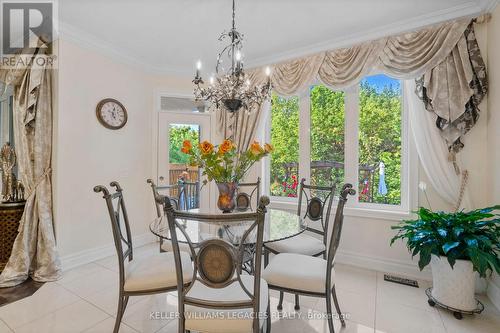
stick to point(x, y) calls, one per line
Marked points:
point(453, 287)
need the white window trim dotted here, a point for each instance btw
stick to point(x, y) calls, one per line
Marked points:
point(409, 160)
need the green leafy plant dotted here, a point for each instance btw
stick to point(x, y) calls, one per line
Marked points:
point(473, 235)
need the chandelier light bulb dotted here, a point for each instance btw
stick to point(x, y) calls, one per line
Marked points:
point(198, 65)
point(212, 80)
point(268, 71)
point(238, 55)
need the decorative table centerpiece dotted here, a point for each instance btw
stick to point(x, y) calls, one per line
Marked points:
point(225, 165)
point(455, 244)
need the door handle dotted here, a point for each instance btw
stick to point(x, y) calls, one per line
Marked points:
point(162, 178)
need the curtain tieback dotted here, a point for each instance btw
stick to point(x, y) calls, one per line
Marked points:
point(465, 179)
point(38, 182)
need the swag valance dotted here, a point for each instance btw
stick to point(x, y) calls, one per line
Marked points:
point(444, 58)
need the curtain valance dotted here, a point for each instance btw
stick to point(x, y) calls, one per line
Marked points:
point(444, 57)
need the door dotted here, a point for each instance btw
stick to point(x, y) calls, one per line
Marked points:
point(173, 165)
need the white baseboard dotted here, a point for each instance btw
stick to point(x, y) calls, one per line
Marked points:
point(398, 267)
point(493, 293)
point(90, 255)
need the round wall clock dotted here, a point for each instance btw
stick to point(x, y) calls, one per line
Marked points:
point(111, 113)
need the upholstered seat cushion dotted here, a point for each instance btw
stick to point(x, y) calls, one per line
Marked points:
point(297, 272)
point(301, 244)
point(225, 321)
point(156, 271)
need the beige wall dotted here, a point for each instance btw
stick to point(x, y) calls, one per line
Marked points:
point(493, 129)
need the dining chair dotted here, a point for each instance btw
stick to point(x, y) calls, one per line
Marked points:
point(177, 203)
point(221, 298)
point(319, 198)
point(151, 275)
point(244, 199)
point(308, 275)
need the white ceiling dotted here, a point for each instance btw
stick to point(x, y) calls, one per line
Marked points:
point(168, 36)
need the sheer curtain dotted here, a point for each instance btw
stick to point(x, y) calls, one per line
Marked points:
point(433, 151)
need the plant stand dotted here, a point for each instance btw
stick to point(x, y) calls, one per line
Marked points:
point(456, 312)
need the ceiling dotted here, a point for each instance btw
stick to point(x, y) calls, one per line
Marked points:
point(166, 36)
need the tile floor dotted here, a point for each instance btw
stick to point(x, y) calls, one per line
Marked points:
point(84, 300)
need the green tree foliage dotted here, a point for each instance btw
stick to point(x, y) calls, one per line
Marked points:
point(379, 137)
point(285, 139)
point(178, 133)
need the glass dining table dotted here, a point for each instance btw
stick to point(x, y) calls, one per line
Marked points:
point(278, 225)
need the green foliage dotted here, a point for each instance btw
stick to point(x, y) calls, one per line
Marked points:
point(177, 134)
point(285, 139)
point(473, 236)
point(379, 137)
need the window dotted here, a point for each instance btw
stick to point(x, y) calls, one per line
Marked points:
point(327, 136)
point(356, 135)
point(379, 140)
point(285, 139)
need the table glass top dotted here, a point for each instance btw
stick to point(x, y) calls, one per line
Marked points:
point(278, 225)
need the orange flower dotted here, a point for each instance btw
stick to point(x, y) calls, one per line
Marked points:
point(186, 146)
point(268, 148)
point(225, 146)
point(206, 148)
point(256, 148)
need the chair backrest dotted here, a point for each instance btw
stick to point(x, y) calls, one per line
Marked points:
point(217, 262)
point(157, 197)
point(189, 195)
point(337, 224)
point(119, 225)
point(315, 206)
point(245, 198)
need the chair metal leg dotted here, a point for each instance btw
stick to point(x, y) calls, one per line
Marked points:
point(122, 304)
point(280, 304)
point(266, 257)
point(329, 313)
point(297, 305)
point(336, 302)
point(268, 320)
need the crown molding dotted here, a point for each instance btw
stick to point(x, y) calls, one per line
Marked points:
point(419, 22)
point(94, 43)
point(470, 9)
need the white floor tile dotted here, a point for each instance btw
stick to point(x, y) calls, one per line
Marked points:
point(110, 263)
point(355, 279)
point(107, 325)
point(486, 322)
point(4, 328)
point(138, 315)
point(411, 296)
point(73, 318)
point(392, 317)
point(85, 285)
point(90, 269)
point(358, 308)
point(48, 298)
point(107, 300)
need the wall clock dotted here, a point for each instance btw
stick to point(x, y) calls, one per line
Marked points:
point(111, 113)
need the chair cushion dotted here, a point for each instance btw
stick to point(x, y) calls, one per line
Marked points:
point(225, 321)
point(297, 272)
point(156, 271)
point(301, 244)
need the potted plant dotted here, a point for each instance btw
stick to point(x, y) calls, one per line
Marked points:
point(455, 244)
point(225, 165)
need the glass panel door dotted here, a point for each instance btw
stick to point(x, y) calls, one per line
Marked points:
point(173, 165)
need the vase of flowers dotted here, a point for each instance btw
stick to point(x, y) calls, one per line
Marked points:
point(225, 165)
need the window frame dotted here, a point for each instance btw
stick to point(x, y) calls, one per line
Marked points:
point(409, 170)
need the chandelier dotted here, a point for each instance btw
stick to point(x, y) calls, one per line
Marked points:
point(230, 87)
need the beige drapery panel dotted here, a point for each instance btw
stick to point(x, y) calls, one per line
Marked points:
point(34, 253)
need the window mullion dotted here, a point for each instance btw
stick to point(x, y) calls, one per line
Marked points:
point(304, 135)
point(351, 137)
